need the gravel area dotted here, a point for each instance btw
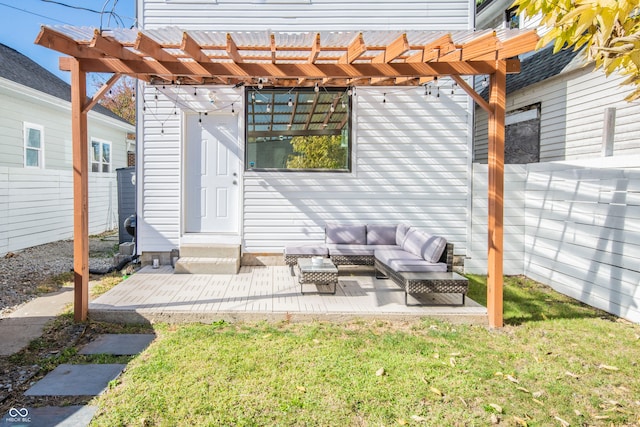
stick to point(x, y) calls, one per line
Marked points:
point(23, 271)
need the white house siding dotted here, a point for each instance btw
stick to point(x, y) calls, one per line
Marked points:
point(291, 207)
point(572, 116)
point(514, 221)
point(576, 226)
point(36, 205)
point(410, 166)
point(316, 15)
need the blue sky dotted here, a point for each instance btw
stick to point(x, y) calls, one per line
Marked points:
point(20, 22)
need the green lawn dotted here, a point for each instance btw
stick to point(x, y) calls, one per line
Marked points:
point(556, 363)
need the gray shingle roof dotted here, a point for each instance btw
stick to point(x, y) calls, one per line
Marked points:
point(18, 68)
point(536, 68)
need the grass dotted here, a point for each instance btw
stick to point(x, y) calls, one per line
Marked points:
point(556, 363)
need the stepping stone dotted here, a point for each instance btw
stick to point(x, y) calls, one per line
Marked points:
point(118, 344)
point(76, 380)
point(49, 416)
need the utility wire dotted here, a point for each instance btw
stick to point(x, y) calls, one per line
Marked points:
point(35, 14)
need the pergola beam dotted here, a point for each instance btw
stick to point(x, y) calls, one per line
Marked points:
point(497, 103)
point(80, 192)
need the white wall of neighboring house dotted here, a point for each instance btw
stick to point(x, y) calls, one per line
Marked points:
point(36, 204)
point(411, 156)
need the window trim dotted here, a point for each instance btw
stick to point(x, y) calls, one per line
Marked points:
point(26, 127)
point(351, 143)
point(102, 143)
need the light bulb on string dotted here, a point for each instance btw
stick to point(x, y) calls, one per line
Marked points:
point(384, 98)
point(485, 82)
point(268, 108)
point(453, 88)
point(260, 85)
point(316, 88)
point(253, 96)
point(232, 109)
point(332, 108)
point(290, 102)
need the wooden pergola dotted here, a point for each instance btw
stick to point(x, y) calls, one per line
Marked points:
point(281, 60)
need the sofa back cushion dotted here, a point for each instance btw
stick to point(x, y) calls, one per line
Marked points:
point(401, 233)
point(424, 245)
point(381, 234)
point(346, 234)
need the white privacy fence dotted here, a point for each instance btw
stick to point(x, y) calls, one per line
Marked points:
point(573, 225)
point(36, 206)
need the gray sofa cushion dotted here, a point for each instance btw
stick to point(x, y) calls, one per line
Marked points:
point(320, 250)
point(356, 250)
point(401, 233)
point(423, 244)
point(381, 234)
point(403, 261)
point(346, 234)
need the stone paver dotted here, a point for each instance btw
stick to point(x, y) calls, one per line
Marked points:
point(49, 416)
point(118, 344)
point(76, 380)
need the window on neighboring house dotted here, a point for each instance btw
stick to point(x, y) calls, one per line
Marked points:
point(100, 156)
point(512, 20)
point(33, 145)
point(298, 129)
point(522, 135)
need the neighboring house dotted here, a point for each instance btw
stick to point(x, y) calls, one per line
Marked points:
point(405, 156)
point(573, 168)
point(36, 185)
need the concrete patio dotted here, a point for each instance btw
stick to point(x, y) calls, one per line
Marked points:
point(269, 293)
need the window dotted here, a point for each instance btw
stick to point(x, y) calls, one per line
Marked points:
point(298, 129)
point(33, 145)
point(522, 135)
point(100, 156)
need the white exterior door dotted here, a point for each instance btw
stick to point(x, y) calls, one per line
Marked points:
point(212, 174)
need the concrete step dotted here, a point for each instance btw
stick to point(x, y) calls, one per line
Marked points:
point(207, 265)
point(209, 250)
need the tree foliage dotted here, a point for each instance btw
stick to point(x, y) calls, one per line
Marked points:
point(317, 152)
point(609, 30)
point(121, 98)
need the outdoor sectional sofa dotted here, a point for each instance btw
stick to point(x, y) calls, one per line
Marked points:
point(397, 251)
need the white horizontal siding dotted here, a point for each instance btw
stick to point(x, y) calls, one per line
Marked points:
point(410, 165)
point(36, 206)
point(572, 116)
point(316, 15)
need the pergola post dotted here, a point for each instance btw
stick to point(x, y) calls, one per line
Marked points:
point(497, 103)
point(80, 191)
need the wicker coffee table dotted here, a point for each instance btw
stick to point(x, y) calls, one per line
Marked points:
point(324, 274)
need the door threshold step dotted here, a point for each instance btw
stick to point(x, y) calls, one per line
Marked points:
point(207, 265)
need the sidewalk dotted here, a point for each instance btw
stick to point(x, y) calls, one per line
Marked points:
point(27, 323)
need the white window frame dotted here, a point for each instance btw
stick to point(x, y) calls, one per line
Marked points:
point(28, 126)
point(100, 164)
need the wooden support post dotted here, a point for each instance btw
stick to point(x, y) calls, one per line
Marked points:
point(497, 102)
point(80, 191)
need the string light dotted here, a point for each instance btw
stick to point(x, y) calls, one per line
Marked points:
point(260, 85)
point(253, 96)
point(199, 117)
point(290, 103)
point(332, 108)
point(195, 91)
point(316, 88)
point(232, 109)
point(384, 98)
point(485, 82)
point(453, 88)
point(268, 108)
